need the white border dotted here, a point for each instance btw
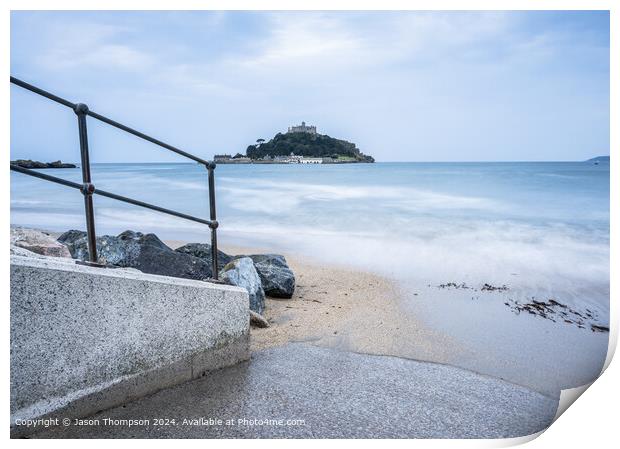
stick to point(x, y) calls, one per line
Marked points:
point(590, 422)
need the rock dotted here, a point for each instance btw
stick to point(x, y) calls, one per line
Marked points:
point(59, 164)
point(19, 251)
point(203, 251)
point(153, 259)
point(38, 242)
point(143, 239)
point(67, 238)
point(241, 272)
point(258, 320)
point(277, 278)
point(110, 249)
point(28, 163)
point(145, 252)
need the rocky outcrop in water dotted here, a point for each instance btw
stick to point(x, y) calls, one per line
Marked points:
point(242, 273)
point(38, 242)
point(28, 163)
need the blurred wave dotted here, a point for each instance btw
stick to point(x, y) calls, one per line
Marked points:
point(537, 226)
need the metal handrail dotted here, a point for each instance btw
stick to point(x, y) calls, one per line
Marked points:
point(88, 189)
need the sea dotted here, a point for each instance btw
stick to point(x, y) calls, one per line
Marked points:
point(539, 228)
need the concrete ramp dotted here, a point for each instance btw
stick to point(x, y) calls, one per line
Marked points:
point(85, 339)
point(304, 391)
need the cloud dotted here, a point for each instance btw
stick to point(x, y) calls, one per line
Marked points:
point(305, 39)
point(90, 45)
point(402, 85)
point(334, 41)
point(290, 48)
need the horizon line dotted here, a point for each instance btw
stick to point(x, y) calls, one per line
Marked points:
point(376, 162)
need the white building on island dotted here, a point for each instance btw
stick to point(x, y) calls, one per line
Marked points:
point(295, 159)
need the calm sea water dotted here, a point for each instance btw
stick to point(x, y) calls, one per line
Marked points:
point(540, 228)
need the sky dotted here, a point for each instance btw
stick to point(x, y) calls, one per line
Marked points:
point(403, 86)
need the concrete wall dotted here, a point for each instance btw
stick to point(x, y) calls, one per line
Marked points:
point(84, 339)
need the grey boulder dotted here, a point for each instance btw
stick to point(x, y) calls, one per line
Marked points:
point(277, 278)
point(19, 251)
point(110, 249)
point(145, 252)
point(38, 242)
point(258, 320)
point(68, 238)
point(241, 272)
point(203, 251)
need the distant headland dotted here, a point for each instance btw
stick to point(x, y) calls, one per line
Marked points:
point(28, 163)
point(301, 144)
point(599, 159)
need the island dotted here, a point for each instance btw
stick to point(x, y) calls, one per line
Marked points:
point(28, 163)
point(299, 145)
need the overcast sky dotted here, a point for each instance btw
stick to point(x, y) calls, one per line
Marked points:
point(404, 86)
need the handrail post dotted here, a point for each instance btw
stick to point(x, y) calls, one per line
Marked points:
point(214, 224)
point(81, 110)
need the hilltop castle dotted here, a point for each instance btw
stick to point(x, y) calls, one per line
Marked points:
point(302, 129)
